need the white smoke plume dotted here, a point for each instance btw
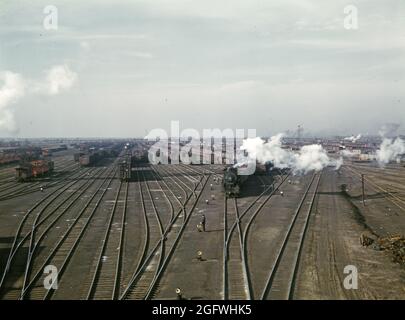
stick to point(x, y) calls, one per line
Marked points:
point(348, 153)
point(390, 150)
point(240, 165)
point(353, 138)
point(389, 130)
point(309, 158)
point(13, 87)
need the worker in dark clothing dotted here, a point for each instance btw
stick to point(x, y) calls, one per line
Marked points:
point(203, 222)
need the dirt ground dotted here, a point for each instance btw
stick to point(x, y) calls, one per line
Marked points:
point(333, 242)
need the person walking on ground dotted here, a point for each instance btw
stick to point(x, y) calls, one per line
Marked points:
point(203, 222)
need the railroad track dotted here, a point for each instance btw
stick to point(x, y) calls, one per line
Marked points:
point(23, 189)
point(386, 169)
point(174, 184)
point(281, 280)
point(173, 238)
point(400, 203)
point(41, 232)
point(236, 276)
point(199, 171)
point(386, 175)
point(170, 190)
point(65, 248)
point(139, 290)
point(145, 279)
point(174, 175)
point(107, 275)
point(28, 236)
point(164, 207)
point(30, 221)
point(163, 229)
point(11, 180)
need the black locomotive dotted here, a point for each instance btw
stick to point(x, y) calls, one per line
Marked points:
point(233, 182)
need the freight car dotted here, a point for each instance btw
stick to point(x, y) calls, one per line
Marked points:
point(48, 151)
point(16, 154)
point(34, 169)
point(90, 159)
point(9, 155)
point(76, 156)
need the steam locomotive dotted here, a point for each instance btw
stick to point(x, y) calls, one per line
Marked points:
point(233, 182)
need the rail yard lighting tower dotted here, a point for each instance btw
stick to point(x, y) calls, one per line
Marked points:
point(362, 189)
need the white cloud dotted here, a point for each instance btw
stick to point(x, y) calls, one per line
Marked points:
point(288, 61)
point(59, 78)
point(12, 89)
point(85, 45)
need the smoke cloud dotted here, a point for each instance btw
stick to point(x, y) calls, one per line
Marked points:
point(348, 153)
point(353, 138)
point(390, 150)
point(309, 158)
point(14, 87)
point(389, 130)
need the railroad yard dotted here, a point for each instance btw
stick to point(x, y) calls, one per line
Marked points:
point(284, 237)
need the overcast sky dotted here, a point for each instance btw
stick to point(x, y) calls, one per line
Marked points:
point(123, 68)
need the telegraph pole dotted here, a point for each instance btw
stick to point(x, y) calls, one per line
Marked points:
point(362, 189)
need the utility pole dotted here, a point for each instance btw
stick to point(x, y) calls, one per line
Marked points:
point(362, 189)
